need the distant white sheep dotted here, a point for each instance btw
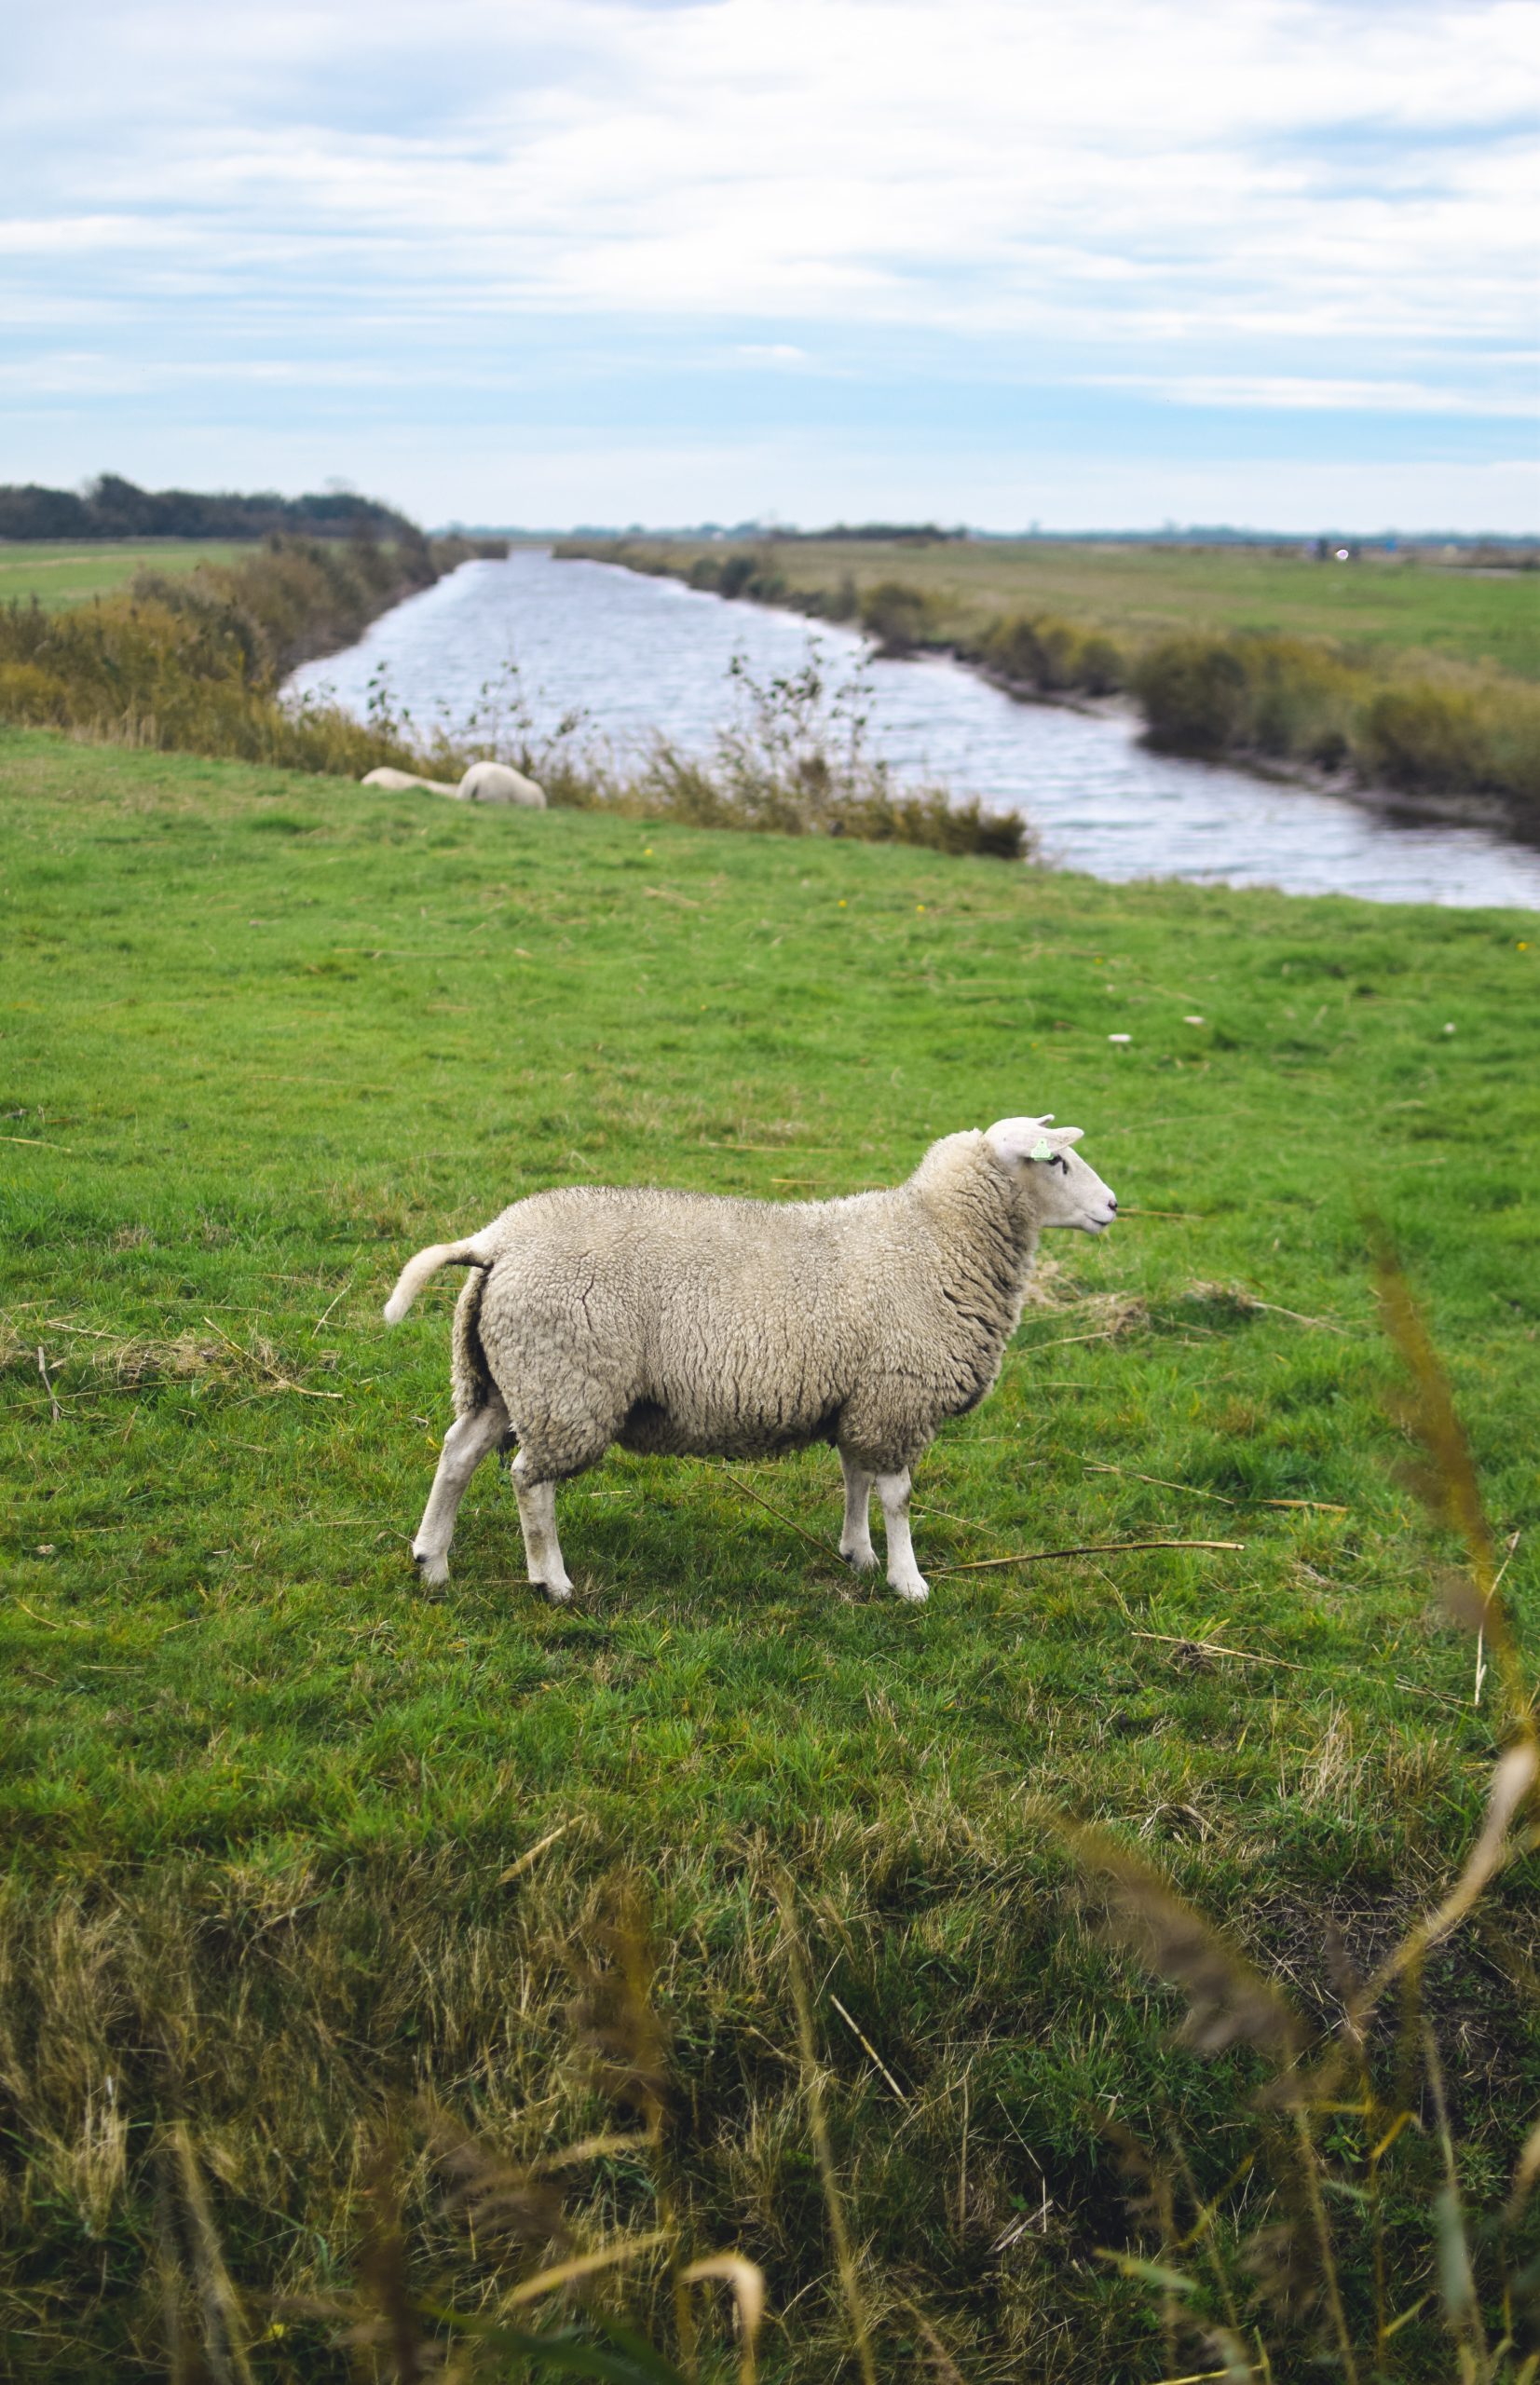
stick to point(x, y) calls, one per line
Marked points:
point(494, 783)
point(397, 782)
point(482, 783)
point(687, 1326)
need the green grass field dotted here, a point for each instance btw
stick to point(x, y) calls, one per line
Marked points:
point(272, 1815)
point(71, 572)
point(1377, 607)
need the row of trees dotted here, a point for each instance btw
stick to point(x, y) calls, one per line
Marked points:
point(113, 508)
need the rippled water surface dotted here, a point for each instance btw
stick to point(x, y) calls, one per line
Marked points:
point(638, 655)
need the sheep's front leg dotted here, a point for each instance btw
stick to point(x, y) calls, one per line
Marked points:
point(904, 1574)
point(542, 1550)
point(465, 1443)
point(856, 1541)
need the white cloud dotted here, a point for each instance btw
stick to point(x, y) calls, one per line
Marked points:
point(991, 165)
point(1311, 205)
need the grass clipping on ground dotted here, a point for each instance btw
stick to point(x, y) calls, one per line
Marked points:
point(385, 1977)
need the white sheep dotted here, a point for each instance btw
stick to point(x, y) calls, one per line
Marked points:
point(687, 1325)
point(482, 783)
point(494, 783)
point(397, 782)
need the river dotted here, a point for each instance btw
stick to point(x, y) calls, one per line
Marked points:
point(636, 655)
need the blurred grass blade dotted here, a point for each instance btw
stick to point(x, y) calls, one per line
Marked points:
point(225, 2327)
point(584, 2265)
point(1525, 2173)
point(1513, 1776)
point(1228, 2002)
point(849, 2282)
point(747, 2281)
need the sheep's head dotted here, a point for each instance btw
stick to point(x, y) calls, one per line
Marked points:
point(1060, 1188)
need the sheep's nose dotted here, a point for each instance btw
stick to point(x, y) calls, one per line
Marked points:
point(1111, 1200)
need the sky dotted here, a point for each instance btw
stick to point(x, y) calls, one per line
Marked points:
point(1104, 265)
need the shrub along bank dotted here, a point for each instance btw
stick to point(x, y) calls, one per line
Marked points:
point(196, 662)
point(1419, 724)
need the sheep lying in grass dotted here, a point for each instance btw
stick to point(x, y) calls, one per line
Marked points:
point(482, 783)
point(691, 1327)
point(495, 782)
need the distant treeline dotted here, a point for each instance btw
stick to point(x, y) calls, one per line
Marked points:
point(114, 507)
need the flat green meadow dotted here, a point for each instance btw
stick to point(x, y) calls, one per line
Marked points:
point(290, 1846)
point(1378, 607)
point(63, 572)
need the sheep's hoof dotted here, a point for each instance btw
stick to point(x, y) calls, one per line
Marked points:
point(912, 1593)
point(860, 1560)
point(548, 1590)
point(432, 1571)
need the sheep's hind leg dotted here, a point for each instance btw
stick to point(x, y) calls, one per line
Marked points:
point(904, 1574)
point(542, 1550)
point(855, 1540)
point(465, 1443)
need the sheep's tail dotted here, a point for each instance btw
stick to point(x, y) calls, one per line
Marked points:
point(475, 1251)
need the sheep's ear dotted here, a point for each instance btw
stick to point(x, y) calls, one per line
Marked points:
point(1069, 1134)
point(1014, 1138)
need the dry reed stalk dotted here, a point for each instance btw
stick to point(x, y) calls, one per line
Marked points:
point(1216, 1648)
point(739, 1484)
point(281, 1381)
point(1091, 1548)
point(531, 1855)
point(849, 2282)
point(866, 2042)
point(1093, 1466)
point(620, 2250)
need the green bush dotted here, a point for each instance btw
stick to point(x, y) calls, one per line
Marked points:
point(1302, 700)
point(897, 614)
point(1041, 650)
point(1194, 694)
point(195, 664)
point(1102, 668)
point(33, 696)
point(844, 601)
point(1423, 738)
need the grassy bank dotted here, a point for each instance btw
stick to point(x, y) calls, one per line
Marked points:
point(1385, 604)
point(63, 572)
point(1403, 675)
point(194, 659)
point(281, 1853)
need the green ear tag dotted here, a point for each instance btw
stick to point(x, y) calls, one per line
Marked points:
point(1042, 1149)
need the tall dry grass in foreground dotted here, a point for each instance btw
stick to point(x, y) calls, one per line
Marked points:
point(1357, 2236)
